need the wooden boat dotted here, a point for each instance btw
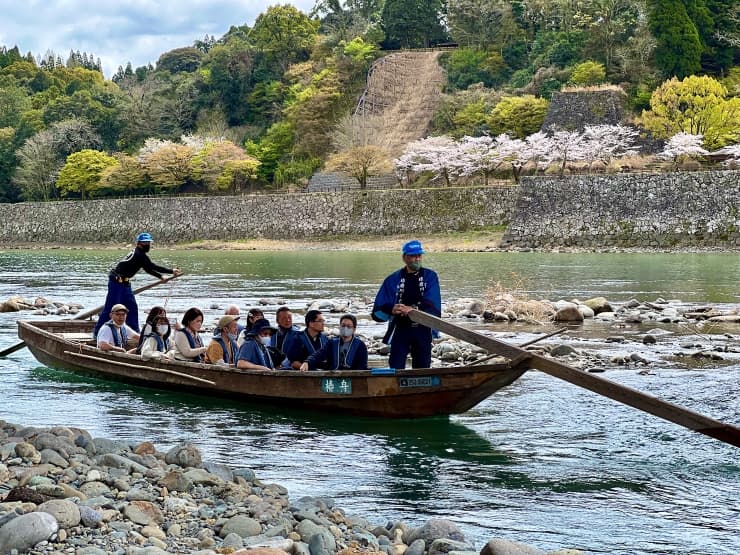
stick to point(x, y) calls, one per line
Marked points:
point(382, 392)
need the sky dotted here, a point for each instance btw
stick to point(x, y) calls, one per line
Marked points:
point(135, 31)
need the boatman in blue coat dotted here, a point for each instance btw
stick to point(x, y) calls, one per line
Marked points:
point(411, 287)
point(119, 281)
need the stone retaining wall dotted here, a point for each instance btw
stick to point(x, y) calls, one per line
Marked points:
point(573, 110)
point(329, 181)
point(632, 210)
point(295, 216)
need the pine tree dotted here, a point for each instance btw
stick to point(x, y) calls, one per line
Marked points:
point(679, 47)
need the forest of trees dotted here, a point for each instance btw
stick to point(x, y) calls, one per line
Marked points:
point(261, 105)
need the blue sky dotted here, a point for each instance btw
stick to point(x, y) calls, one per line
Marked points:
point(118, 32)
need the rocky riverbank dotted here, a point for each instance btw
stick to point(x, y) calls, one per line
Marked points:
point(596, 334)
point(64, 491)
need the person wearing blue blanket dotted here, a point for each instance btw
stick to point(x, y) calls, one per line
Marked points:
point(411, 287)
point(346, 352)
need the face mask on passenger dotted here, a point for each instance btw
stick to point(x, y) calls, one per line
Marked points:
point(346, 331)
point(415, 266)
point(265, 339)
point(162, 329)
point(233, 336)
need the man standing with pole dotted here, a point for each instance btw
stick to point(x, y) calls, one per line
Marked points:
point(411, 287)
point(119, 281)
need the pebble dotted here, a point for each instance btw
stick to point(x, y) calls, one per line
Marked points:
point(217, 509)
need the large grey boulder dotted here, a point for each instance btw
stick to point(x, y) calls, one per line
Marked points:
point(500, 546)
point(598, 305)
point(66, 513)
point(242, 525)
point(569, 314)
point(184, 455)
point(434, 529)
point(25, 531)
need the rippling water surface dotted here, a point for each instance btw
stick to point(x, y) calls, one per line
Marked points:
point(541, 461)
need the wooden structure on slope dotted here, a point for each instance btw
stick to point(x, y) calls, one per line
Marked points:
point(402, 94)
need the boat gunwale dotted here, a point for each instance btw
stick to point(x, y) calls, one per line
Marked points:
point(114, 357)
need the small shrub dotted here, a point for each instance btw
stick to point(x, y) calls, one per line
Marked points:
point(514, 297)
point(588, 73)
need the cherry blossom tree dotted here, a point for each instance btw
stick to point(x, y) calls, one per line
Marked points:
point(438, 155)
point(567, 146)
point(733, 155)
point(478, 156)
point(607, 142)
point(152, 145)
point(515, 152)
point(540, 150)
point(683, 146)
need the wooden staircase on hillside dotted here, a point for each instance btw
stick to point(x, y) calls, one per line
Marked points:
point(402, 94)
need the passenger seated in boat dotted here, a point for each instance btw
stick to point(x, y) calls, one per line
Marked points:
point(115, 334)
point(148, 327)
point(233, 310)
point(308, 341)
point(286, 331)
point(346, 352)
point(188, 343)
point(222, 349)
point(253, 354)
point(155, 337)
point(253, 315)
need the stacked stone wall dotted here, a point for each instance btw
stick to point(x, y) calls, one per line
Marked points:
point(663, 211)
point(682, 209)
point(294, 216)
point(573, 110)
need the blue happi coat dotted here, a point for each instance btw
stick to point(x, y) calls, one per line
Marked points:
point(391, 293)
point(328, 355)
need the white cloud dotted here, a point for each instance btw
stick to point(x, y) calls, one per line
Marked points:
point(136, 31)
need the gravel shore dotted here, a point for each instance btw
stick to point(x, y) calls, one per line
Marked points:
point(64, 491)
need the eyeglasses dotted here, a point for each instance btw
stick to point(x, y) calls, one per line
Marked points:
point(320, 321)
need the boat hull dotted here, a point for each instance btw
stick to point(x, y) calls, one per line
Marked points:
point(383, 393)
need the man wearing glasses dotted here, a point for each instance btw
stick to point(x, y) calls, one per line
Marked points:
point(309, 341)
point(115, 334)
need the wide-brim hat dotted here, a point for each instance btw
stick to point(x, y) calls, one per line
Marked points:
point(226, 319)
point(259, 325)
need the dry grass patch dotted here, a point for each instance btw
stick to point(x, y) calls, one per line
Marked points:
point(513, 297)
point(593, 88)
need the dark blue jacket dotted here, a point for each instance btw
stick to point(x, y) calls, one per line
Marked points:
point(390, 293)
point(328, 356)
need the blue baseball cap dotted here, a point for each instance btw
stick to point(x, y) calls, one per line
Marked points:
point(412, 247)
point(144, 238)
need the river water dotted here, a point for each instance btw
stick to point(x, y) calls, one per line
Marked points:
point(541, 461)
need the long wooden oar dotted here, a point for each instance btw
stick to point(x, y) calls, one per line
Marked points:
point(632, 397)
point(92, 312)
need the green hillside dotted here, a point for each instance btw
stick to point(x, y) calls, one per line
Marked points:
point(266, 106)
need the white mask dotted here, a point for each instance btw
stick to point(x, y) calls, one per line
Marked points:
point(233, 336)
point(346, 331)
point(162, 329)
point(265, 339)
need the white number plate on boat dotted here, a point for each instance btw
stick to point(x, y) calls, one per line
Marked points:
point(421, 381)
